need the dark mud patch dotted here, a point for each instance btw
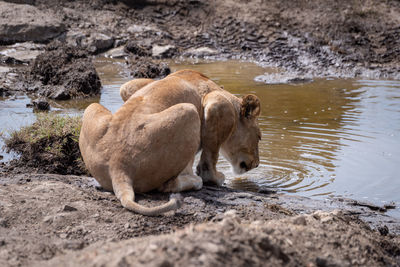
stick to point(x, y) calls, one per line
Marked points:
point(147, 68)
point(137, 49)
point(50, 145)
point(69, 220)
point(140, 63)
point(65, 73)
point(60, 72)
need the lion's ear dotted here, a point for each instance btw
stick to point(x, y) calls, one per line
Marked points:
point(250, 107)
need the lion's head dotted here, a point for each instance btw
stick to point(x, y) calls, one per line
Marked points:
point(241, 148)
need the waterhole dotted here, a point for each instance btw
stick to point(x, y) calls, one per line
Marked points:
point(320, 138)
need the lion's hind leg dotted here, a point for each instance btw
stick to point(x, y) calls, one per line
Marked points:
point(185, 181)
point(131, 87)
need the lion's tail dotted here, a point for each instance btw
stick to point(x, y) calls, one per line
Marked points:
point(172, 204)
point(124, 191)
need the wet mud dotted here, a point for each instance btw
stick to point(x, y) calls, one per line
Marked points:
point(61, 73)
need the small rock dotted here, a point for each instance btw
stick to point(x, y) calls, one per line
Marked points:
point(367, 204)
point(48, 219)
point(74, 245)
point(230, 213)
point(4, 69)
point(257, 198)
point(74, 38)
point(244, 195)
point(63, 236)
point(326, 219)
point(98, 42)
point(267, 190)
point(118, 52)
point(22, 23)
point(317, 214)
point(21, 53)
point(153, 247)
point(69, 208)
point(201, 52)
point(320, 262)
point(60, 93)
point(383, 230)
point(4, 223)
point(40, 104)
point(300, 220)
point(391, 205)
point(136, 49)
point(299, 80)
point(140, 28)
point(165, 51)
point(127, 226)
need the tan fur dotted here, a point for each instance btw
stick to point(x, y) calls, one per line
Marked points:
point(151, 141)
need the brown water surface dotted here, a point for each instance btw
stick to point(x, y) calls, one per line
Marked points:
point(328, 137)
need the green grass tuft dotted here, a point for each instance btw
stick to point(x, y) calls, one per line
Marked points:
point(51, 144)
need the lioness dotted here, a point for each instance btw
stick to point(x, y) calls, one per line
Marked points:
point(151, 141)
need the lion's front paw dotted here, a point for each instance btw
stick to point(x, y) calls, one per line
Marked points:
point(209, 175)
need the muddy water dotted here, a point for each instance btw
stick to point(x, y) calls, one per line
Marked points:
point(324, 138)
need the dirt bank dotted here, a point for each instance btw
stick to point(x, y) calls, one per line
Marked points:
point(46, 216)
point(312, 38)
point(305, 39)
point(285, 242)
point(49, 145)
point(322, 38)
point(61, 73)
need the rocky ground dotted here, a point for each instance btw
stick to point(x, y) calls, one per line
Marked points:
point(57, 220)
point(48, 219)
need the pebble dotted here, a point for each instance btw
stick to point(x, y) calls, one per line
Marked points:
point(69, 208)
point(162, 51)
point(300, 220)
point(383, 230)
